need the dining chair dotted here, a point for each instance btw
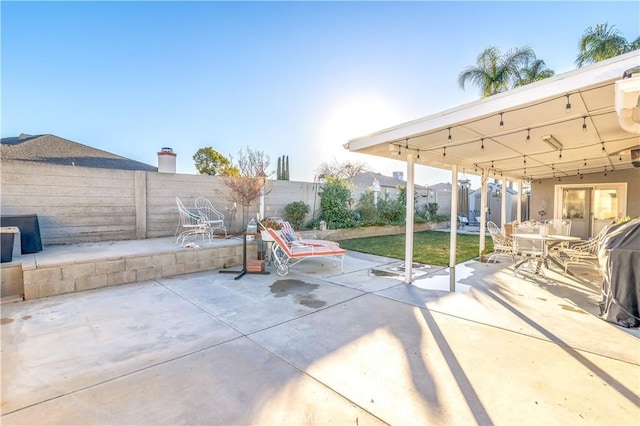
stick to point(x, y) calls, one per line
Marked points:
point(585, 253)
point(529, 249)
point(558, 227)
point(502, 245)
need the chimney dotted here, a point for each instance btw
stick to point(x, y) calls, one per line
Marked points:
point(166, 161)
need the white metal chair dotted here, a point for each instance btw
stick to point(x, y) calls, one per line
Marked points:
point(585, 253)
point(191, 224)
point(558, 226)
point(214, 218)
point(502, 246)
point(529, 249)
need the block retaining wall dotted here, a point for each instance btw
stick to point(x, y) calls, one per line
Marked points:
point(51, 280)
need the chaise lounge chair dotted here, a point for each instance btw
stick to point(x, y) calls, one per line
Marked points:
point(286, 256)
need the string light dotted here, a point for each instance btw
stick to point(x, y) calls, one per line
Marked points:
point(501, 122)
point(560, 156)
point(444, 151)
point(449, 137)
point(568, 106)
point(528, 135)
point(418, 154)
point(482, 146)
point(603, 150)
point(585, 162)
point(406, 143)
point(605, 170)
point(584, 123)
point(620, 158)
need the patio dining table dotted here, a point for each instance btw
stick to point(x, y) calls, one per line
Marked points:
point(550, 241)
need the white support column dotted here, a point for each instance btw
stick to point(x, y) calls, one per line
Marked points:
point(408, 249)
point(483, 209)
point(519, 208)
point(454, 228)
point(503, 203)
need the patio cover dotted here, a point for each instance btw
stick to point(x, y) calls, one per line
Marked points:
point(523, 134)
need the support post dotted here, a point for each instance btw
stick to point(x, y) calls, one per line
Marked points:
point(503, 203)
point(519, 204)
point(408, 249)
point(454, 228)
point(483, 209)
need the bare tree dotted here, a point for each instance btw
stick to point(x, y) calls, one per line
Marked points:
point(342, 170)
point(252, 179)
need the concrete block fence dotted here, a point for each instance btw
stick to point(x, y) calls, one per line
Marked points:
point(78, 204)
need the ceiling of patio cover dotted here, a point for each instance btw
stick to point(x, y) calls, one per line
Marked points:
point(590, 135)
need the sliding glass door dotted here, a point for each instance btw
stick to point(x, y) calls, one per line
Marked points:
point(590, 207)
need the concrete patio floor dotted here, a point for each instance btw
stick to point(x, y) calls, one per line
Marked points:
point(320, 347)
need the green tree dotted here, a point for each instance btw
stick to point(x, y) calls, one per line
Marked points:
point(208, 161)
point(532, 70)
point(603, 42)
point(495, 72)
point(283, 168)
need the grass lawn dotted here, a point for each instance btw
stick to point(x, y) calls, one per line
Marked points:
point(429, 247)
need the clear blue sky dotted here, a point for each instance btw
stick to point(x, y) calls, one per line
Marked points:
point(287, 78)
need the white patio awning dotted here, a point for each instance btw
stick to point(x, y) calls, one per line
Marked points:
point(540, 137)
point(583, 121)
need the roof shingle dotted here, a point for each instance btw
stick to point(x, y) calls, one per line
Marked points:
point(51, 149)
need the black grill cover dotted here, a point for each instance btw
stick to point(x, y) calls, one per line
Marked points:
point(620, 259)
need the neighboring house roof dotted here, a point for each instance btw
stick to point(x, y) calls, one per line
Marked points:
point(51, 149)
point(366, 179)
point(441, 187)
point(491, 186)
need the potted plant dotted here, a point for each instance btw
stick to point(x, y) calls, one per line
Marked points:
point(268, 223)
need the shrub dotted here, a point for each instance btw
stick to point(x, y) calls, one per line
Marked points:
point(366, 209)
point(333, 203)
point(296, 212)
point(431, 211)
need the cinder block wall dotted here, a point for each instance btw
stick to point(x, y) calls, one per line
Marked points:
point(79, 204)
point(73, 204)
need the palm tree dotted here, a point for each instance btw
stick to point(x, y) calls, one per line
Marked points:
point(494, 72)
point(603, 42)
point(531, 71)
